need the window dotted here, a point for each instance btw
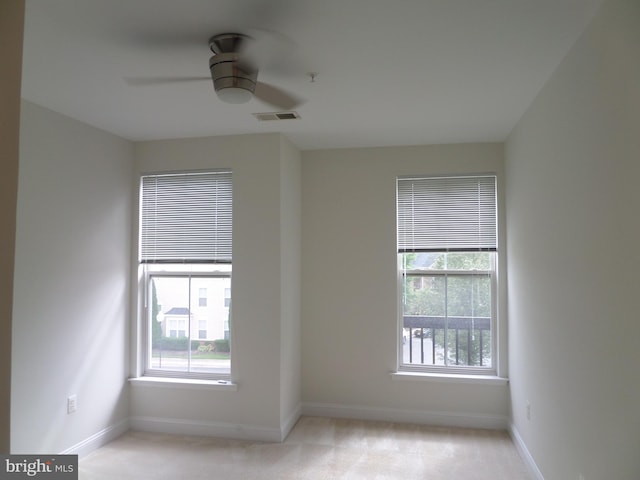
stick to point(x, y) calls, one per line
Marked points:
point(447, 244)
point(185, 260)
point(202, 329)
point(227, 297)
point(176, 328)
point(202, 297)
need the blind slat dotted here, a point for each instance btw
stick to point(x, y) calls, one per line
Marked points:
point(186, 218)
point(447, 213)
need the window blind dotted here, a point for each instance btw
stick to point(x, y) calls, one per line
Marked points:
point(447, 214)
point(186, 218)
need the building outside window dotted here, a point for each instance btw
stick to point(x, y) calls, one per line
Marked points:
point(186, 264)
point(447, 245)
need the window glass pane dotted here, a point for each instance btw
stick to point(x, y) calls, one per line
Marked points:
point(447, 261)
point(425, 295)
point(468, 320)
point(170, 316)
point(189, 335)
point(424, 308)
point(446, 316)
point(469, 295)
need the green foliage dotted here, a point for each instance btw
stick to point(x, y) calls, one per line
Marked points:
point(156, 327)
point(182, 343)
point(462, 261)
point(173, 343)
point(408, 260)
point(201, 346)
point(222, 345)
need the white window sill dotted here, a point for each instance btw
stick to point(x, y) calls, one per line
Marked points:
point(184, 383)
point(451, 378)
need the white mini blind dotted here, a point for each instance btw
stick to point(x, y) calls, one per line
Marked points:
point(186, 218)
point(447, 214)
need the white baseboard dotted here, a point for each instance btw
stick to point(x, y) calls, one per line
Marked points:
point(446, 419)
point(524, 453)
point(274, 434)
point(180, 426)
point(97, 440)
point(290, 422)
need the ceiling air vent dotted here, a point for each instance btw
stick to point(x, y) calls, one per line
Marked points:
point(277, 116)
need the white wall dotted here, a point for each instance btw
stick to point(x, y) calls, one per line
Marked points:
point(11, 26)
point(71, 282)
point(572, 166)
point(350, 291)
point(263, 304)
point(291, 271)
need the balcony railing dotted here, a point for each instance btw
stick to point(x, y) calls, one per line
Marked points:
point(472, 336)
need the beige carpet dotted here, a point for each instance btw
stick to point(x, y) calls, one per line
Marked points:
point(317, 448)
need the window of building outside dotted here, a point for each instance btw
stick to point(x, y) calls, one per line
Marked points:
point(186, 263)
point(447, 245)
point(227, 297)
point(202, 297)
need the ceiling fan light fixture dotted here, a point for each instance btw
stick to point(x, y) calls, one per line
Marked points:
point(234, 95)
point(234, 89)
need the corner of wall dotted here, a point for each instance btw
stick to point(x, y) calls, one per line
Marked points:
point(11, 31)
point(524, 453)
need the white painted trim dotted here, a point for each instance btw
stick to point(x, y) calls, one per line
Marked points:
point(98, 440)
point(447, 419)
point(290, 422)
point(180, 426)
point(184, 383)
point(408, 375)
point(524, 453)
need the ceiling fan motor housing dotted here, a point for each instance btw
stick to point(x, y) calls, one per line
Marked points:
point(233, 81)
point(227, 74)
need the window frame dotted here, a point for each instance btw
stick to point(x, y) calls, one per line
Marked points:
point(497, 336)
point(162, 267)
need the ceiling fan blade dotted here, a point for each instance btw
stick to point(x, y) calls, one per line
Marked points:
point(162, 40)
point(268, 50)
point(146, 81)
point(276, 97)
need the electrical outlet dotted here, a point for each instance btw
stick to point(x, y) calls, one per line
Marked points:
point(529, 413)
point(72, 403)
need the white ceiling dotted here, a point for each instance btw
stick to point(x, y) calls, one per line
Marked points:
point(390, 72)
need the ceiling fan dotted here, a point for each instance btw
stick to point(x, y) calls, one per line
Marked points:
point(234, 71)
